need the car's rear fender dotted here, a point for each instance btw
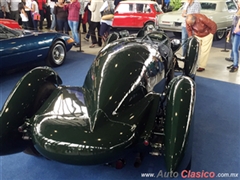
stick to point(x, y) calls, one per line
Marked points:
point(19, 106)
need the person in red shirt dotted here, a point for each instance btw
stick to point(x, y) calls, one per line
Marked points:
point(203, 29)
point(73, 19)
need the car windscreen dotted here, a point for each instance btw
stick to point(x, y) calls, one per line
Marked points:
point(231, 6)
point(157, 8)
point(7, 33)
point(208, 6)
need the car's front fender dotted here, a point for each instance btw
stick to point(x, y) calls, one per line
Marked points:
point(190, 63)
point(18, 107)
point(179, 122)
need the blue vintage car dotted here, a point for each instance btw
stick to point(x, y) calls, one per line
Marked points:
point(18, 47)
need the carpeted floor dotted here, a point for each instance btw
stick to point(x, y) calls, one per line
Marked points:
point(216, 136)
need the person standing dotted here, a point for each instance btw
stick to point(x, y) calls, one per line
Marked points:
point(28, 5)
point(47, 15)
point(87, 18)
point(203, 29)
point(73, 18)
point(13, 4)
point(94, 7)
point(161, 4)
point(34, 10)
point(4, 11)
point(41, 3)
point(23, 16)
point(106, 24)
point(235, 47)
point(189, 7)
point(61, 16)
point(230, 34)
point(81, 12)
point(53, 23)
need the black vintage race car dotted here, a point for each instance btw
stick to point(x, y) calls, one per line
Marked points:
point(117, 109)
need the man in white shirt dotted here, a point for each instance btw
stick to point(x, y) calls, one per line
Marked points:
point(13, 4)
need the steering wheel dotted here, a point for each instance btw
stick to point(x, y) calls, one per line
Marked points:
point(160, 43)
point(147, 37)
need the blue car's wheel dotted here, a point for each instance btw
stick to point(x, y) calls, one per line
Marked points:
point(57, 54)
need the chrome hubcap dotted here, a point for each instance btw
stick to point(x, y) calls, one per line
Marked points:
point(58, 54)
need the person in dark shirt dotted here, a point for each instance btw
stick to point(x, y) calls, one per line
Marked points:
point(61, 16)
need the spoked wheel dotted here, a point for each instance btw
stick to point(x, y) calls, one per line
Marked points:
point(220, 34)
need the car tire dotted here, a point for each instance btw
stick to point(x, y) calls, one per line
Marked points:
point(57, 54)
point(148, 23)
point(220, 34)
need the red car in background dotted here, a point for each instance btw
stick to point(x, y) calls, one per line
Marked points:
point(135, 14)
point(10, 23)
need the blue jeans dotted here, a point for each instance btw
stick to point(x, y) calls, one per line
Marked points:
point(184, 39)
point(73, 26)
point(231, 55)
point(53, 25)
point(235, 49)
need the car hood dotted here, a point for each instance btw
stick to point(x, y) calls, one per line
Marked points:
point(29, 32)
point(46, 34)
point(171, 15)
